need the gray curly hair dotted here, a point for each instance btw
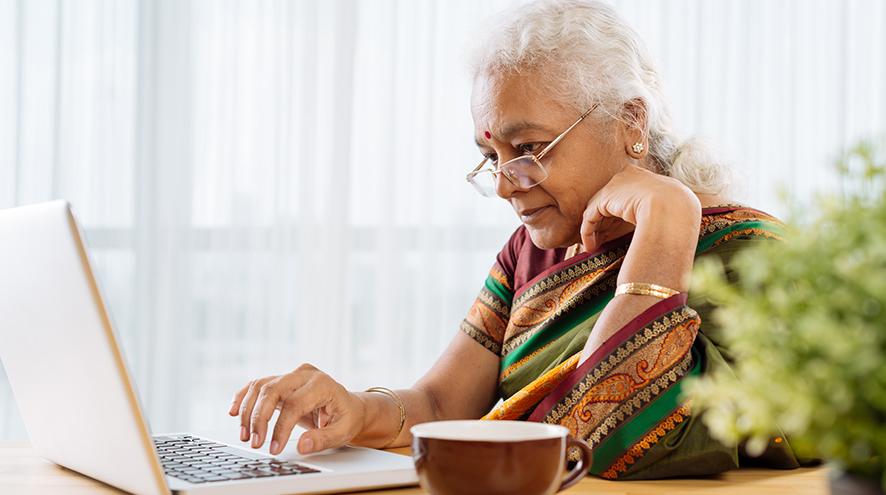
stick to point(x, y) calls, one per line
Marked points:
point(590, 54)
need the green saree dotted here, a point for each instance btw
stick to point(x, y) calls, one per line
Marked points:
point(536, 311)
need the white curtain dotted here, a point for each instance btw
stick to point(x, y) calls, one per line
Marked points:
point(267, 183)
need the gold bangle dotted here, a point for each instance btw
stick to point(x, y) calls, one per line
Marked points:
point(641, 289)
point(390, 393)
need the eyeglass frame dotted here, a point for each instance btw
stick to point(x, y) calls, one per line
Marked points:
point(535, 157)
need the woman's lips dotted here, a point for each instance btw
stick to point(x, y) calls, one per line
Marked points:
point(532, 214)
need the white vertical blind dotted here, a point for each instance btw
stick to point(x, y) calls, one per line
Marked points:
point(271, 182)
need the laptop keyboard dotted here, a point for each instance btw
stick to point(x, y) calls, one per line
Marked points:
point(197, 460)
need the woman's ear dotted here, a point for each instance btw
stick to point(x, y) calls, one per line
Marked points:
point(633, 126)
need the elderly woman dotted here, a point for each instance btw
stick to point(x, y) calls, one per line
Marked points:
point(584, 319)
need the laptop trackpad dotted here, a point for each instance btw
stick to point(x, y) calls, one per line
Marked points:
point(348, 458)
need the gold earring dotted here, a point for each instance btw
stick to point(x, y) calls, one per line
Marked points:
point(637, 147)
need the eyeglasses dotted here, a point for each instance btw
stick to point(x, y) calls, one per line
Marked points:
point(524, 172)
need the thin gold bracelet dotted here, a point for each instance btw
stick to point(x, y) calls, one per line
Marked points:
point(390, 393)
point(641, 289)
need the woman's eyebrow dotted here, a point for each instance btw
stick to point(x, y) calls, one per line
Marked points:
point(508, 130)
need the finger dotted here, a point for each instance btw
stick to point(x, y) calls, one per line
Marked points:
point(314, 395)
point(590, 226)
point(308, 421)
point(270, 396)
point(246, 407)
point(322, 419)
point(286, 421)
point(238, 398)
point(611, 228)
point(588, 237)
point(333, 435)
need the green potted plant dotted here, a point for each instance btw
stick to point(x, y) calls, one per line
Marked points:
point(806, 327)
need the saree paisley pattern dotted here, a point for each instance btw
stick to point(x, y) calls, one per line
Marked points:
point(625, 400)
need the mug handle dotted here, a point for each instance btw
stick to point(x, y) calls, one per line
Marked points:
point(581, 468)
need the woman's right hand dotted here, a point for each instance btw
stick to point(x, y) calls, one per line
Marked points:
point(306, 396)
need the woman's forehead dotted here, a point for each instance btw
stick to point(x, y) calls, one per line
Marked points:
point(507, 105)
point(507, 121)
point(506, 130)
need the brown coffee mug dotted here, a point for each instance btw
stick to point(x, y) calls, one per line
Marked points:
point(495, 457)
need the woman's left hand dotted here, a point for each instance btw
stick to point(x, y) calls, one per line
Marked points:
point(666, 218)
point(640, 198)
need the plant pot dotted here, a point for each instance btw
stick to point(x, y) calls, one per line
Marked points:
point(846, 483)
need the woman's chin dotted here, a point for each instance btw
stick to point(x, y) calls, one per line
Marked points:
point(548, 238)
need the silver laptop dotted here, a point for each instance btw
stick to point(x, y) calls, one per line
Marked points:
point(80, 407)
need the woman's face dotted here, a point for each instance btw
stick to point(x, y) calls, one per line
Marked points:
point(512, 116)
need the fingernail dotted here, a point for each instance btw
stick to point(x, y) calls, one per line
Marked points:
point(307, 445)
point(274, 446)
point(254, 440)
point(243, 435)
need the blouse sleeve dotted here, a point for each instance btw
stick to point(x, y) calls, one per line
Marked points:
point(487, 319)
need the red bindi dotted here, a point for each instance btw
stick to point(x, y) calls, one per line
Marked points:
point(488, 134)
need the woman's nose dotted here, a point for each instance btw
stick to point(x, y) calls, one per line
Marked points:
point(504, 188)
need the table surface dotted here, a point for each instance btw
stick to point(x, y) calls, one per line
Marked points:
point(24, 472)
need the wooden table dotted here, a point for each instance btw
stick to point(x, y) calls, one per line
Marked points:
point(23, 472)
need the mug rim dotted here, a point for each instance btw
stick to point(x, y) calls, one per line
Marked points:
point(478, 430)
